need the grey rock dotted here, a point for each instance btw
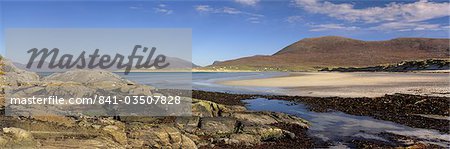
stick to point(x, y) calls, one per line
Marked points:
point(264, 131)
point(162, 137)
point(116, 133)
point(18, 134)
point(245, 139)
point(188, 121)
point(264, 118)
point(17, 138)
point(217, 125)
point(289, 134)
point(16, 77)
point(89, 77)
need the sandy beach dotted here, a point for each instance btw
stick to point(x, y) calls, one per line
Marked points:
point(353, 84)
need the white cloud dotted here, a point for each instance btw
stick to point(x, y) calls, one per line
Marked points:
point(247, 2)
point(409, 12)
point(407, 26)
point(392, 16)
point(230, 11)
point(255, 20)
point(293, 19)
point(135, 7)
point(203, 8)
point(163, 11)
point(324, 27)
point(162, 8)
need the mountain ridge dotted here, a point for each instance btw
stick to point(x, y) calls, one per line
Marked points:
point(336, 51)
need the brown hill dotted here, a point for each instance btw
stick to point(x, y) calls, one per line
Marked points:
point(333, 51)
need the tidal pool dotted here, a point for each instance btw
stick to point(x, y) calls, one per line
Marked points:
point(338, 128)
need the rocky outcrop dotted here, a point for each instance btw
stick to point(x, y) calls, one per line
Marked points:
point(88, 77)
point(211, 123)
point(161, 136)
point(118, 134)
point(15, 137)
point(267, 118)
point(16, 77)
point(212, 126)
point(78, 84)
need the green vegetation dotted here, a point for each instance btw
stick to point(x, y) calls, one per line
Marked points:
point(262, 68)
point(427, 64)
point(430, 64)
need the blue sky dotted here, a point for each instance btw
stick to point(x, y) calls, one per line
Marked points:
point(224, 30)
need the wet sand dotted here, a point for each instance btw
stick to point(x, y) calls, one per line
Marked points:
point(358, 84)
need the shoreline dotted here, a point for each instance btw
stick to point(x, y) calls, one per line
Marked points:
point(220, 120)
point(352, 84)
point(405, 109)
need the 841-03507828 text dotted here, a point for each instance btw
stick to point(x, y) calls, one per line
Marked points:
point(98, 99)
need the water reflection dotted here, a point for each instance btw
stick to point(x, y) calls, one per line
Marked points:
point(334, 126)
